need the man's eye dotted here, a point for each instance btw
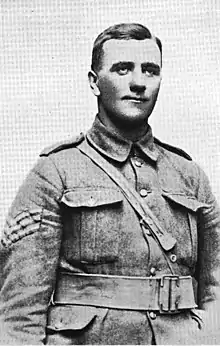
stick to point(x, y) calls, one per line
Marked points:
point(152, 72)
point(122, 71)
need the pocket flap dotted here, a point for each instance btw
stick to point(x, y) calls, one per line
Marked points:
point(81, 197)
point(189, 202)
point(70, 317)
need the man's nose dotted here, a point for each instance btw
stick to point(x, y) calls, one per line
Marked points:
point(138, 82)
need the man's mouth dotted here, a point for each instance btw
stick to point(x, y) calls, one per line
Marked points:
point(135, 99)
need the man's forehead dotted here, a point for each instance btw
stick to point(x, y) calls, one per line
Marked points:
point(131, 50)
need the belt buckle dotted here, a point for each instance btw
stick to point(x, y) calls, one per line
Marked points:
point(169, 294)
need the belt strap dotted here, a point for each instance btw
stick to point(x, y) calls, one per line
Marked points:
point(166, 294)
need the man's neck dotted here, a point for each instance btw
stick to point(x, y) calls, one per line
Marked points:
point(132, 133)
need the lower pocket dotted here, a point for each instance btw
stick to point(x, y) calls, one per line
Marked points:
point(73, 324)
point(197, 316)
point(183, 328)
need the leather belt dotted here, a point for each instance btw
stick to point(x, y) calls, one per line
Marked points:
point(166, 294)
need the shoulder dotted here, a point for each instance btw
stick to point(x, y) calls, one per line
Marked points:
point(62, 145)
point(178, 171)
point(172, 149)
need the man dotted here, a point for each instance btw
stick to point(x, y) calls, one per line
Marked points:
point(80, 265)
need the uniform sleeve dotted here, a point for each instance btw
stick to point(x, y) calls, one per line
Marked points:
point(208, 269)
point(29, 252)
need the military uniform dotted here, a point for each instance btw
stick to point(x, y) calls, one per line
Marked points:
point(70, 218)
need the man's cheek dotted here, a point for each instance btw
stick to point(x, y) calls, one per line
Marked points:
point(108, 86)
point(154, 89)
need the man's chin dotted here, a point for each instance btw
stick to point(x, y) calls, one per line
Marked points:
point(130, 121)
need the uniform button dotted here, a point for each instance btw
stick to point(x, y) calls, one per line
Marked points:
point(143, 193)
point(138, 162)
point(153, 271)
point(147, 231)
point(152, 315)
point(173, 258)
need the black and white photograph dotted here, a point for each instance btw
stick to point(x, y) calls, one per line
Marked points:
point(110, 167)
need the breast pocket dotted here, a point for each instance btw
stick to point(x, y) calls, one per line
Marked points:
point(92, 222)
point(184, 211)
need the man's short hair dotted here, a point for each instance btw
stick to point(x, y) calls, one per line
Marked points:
point(123, 31)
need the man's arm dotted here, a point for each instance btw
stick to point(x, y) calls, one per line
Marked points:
point(29, 253)
point(208, 269)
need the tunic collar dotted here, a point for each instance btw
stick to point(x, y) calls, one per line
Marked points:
point(115, 146)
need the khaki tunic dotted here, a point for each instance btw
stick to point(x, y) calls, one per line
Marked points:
point(70, 216)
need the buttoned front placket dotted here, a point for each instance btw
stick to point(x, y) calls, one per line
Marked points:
point(141, 171)
point(139, 163)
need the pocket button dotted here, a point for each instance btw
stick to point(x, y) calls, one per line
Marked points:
point(152, 315)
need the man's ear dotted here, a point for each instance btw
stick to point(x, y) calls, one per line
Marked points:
point(93, 82)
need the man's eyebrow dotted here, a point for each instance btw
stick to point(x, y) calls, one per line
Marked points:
point(146, 65)
point(121, 64)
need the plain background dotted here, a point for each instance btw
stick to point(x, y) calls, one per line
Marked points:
point(45, 58)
